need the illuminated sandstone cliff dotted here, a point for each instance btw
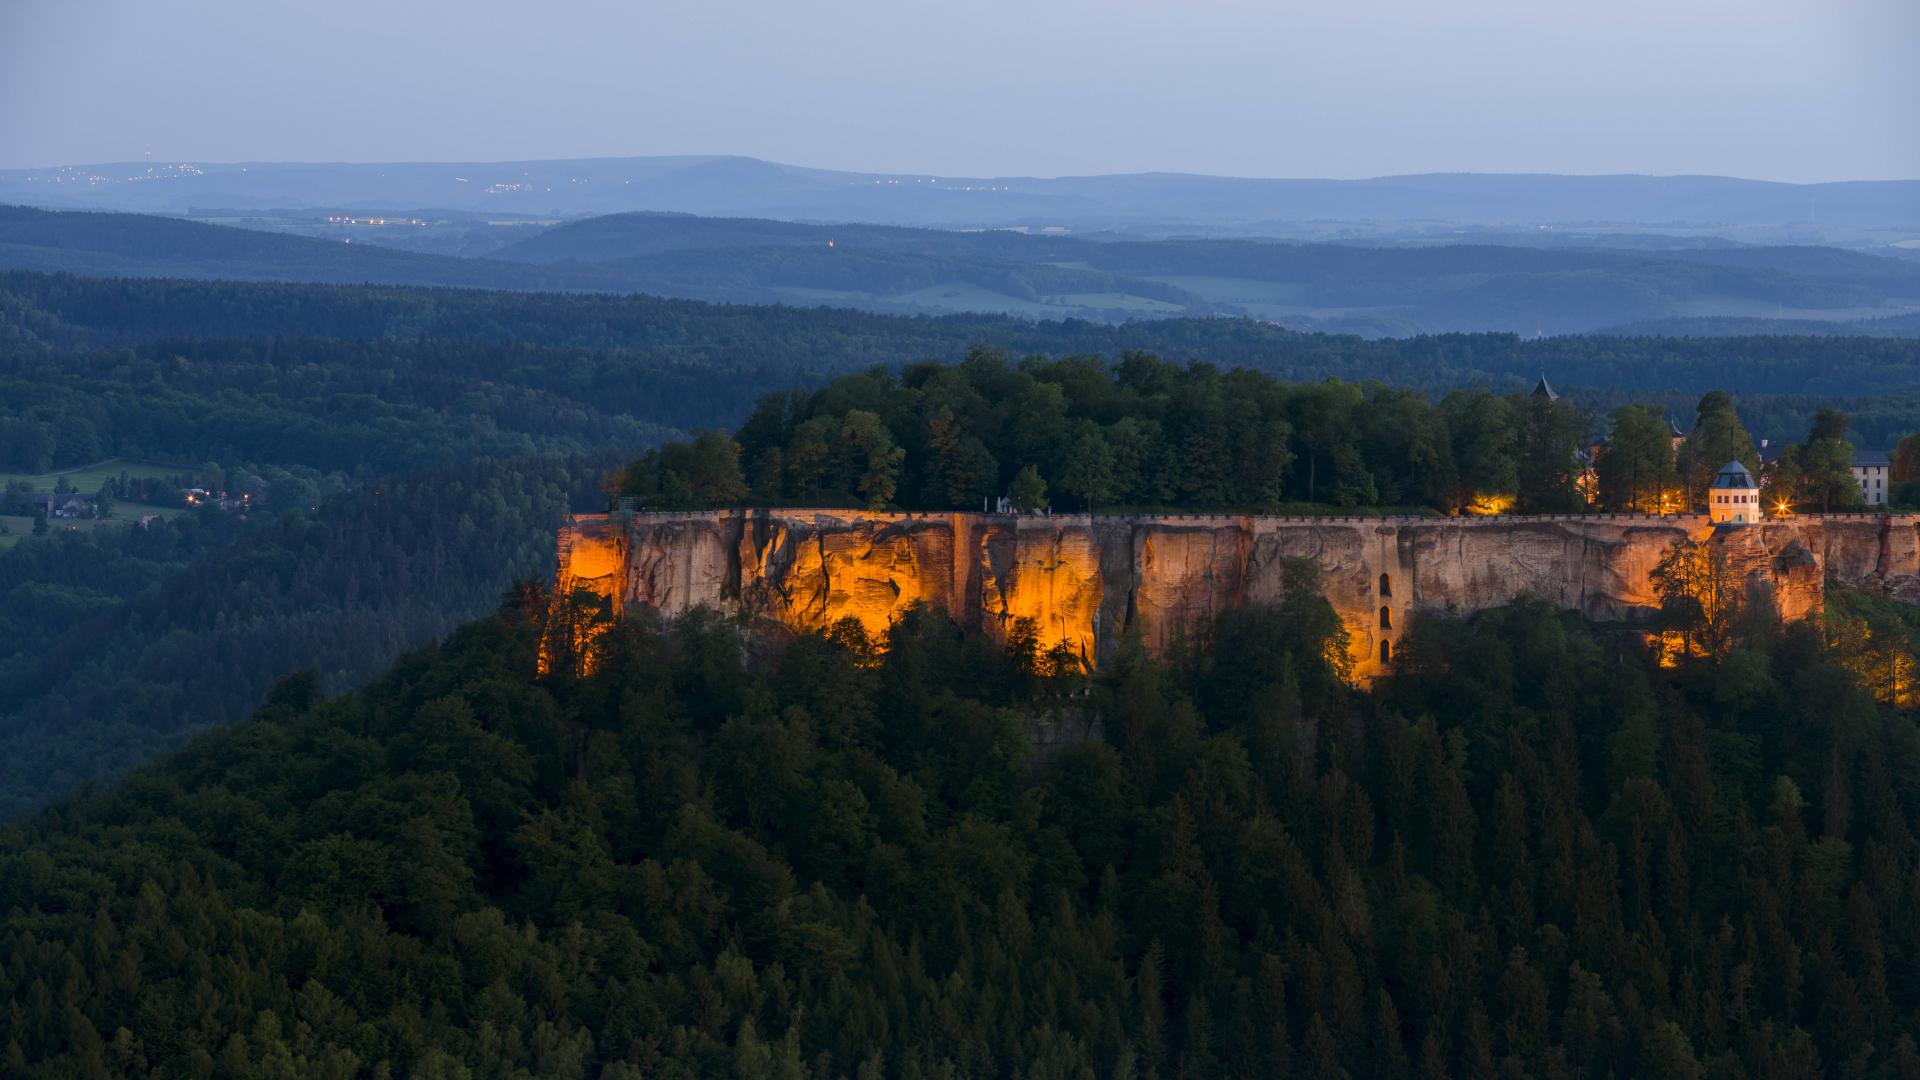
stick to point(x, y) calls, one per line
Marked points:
point(1086, 580)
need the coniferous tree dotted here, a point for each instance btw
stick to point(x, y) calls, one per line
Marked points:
point(1087, 471)
point(1029, 491)
point(1717, 438)
point(1546, 470)
point(1484, 438)
point(1637, 468)
point(1826, 460)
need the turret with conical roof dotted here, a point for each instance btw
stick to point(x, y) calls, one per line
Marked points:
point(1734, 496)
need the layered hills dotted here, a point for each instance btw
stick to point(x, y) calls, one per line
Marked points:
point(731, 186)
point(911, 838)
point(418, 421)
point(1374, 290)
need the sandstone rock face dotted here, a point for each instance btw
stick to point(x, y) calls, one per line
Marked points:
point(1085, 581)
point(811, 573)
point(591, 558)
point(1053, 576)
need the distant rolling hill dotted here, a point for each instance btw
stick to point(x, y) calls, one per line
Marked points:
point(747, 187)
point(1373, 289)
point(1894, 326)
point(142, 245)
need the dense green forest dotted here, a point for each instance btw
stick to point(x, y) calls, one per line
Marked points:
point(686, 364)
point(301, 395)
point(1531, 852)
point(118, 645)
point(358, 407)
point(1144, 434)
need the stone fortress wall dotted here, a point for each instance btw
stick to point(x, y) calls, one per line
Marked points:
point(1086, 579)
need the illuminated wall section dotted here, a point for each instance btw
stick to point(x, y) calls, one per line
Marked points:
point(592, 558)
point(868, 569)
point(1032, 570)
point(1086, 581)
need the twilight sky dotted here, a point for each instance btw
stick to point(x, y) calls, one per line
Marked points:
point(1773, 89)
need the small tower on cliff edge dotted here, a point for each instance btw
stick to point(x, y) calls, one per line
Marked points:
point(1734, 498)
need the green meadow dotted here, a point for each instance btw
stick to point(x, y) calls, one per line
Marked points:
point(88, 478)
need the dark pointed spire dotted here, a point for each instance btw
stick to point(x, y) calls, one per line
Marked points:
point(1541, 389)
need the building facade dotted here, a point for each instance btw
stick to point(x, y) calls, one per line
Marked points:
point(1734, 497)
point(1872, 469)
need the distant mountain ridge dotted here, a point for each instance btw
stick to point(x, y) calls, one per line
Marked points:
point(748, 187)
point(1375, 290)
point(101, 244)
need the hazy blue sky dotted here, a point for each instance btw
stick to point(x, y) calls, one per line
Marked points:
point(1775, 89)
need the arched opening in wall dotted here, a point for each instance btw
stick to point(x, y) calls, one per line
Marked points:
point(1386, 585)
point(1386, 617)
point(1386, 652)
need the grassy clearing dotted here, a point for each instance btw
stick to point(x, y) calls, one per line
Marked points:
point(1232, 290)
point(1748, 307)
point(124, 515)
point(965, 297)
point(1117, 301)
point(962, 296)
point(87, 478)
point(941, 298)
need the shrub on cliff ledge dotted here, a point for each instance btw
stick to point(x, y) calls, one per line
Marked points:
point(686, 476)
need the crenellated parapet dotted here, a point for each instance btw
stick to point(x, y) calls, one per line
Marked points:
point(1085, 580)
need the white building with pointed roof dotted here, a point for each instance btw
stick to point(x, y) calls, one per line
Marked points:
point(1734, 497)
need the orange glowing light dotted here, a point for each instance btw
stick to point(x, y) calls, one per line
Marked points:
point(586, 595)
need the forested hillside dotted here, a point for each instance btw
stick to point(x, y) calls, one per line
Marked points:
point(1522, 285)
point(1532, 852)
point(295, 396)
point(138, 245)
point(116, 646)
point(631, 347)
point(735, 186)
point(1144, 435)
